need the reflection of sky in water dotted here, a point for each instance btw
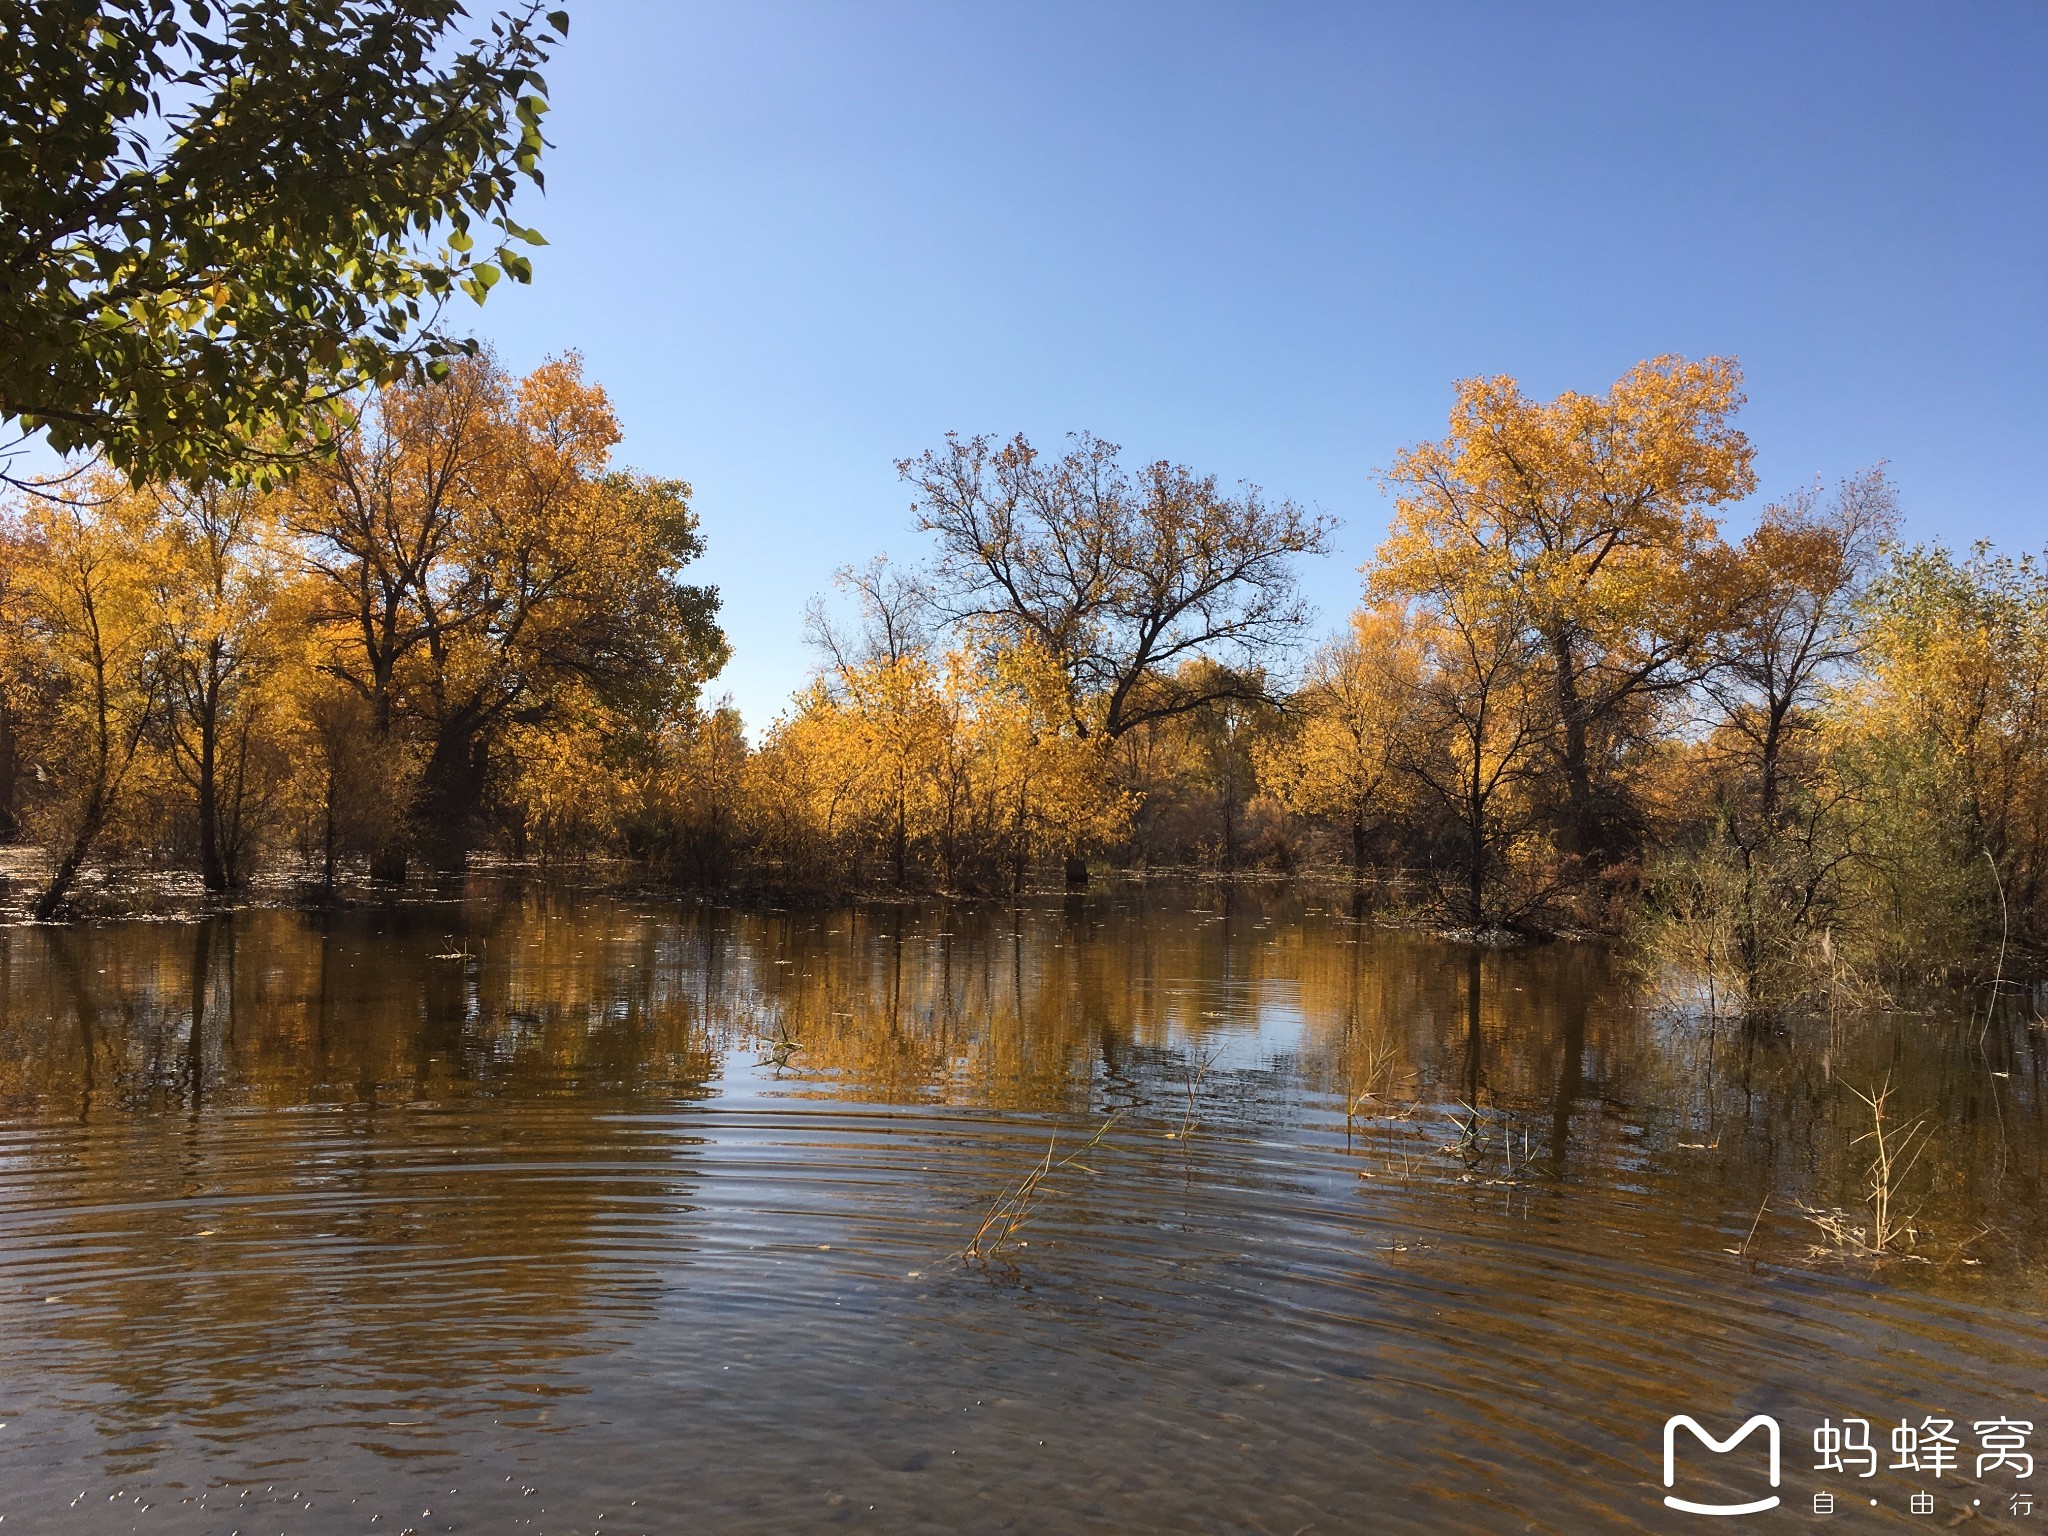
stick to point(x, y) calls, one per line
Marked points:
point(515, 1195)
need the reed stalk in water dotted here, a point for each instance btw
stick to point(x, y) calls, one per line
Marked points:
point(1198, 1069)
point(1894, 1152)
point(1015, 1207)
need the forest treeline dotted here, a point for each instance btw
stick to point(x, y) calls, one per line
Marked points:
point(1568, 699)
point(336, 598)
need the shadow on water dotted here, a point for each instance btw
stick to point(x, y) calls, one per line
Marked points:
point(525, 1210)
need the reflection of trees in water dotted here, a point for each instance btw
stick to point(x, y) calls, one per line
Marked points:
point(469, 1204)
point(282, 1008)
point(1551, 1040)
point(958, 1006)
point(406, 1246)
point(1035, 1008)
point(1092, 1003)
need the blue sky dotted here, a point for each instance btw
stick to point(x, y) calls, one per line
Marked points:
point(799, 241)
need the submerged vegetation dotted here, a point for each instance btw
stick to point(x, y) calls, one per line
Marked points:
point(1804, 761)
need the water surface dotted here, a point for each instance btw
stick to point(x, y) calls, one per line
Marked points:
point(523, 1211)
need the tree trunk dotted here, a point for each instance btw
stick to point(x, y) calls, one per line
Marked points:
point(1580, 834)
point(1358, 849)
point(1023, 845)
point(328, 835)
point(390, 861)
point(10, 777)
point(52, 899)
point(900, 843)
point(106, 784)
point(1476, 876)
point(213, 871)
point(1749, 938)
point(1767, 791)
point(450, 793)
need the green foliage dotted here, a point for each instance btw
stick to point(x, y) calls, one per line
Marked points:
point(1890, 828)
point(1921, 896)
point(219, 219)
point(1951, 714)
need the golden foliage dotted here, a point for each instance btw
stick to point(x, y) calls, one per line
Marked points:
point(198, 671)
point(1568, 701)
point(1356, 715)
point(1585, 523)
point(959, 768)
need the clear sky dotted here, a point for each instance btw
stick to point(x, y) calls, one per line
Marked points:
point(800, 241)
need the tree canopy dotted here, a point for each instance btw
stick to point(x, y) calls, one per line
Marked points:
point(1119, 577)
point(1592, 517)
point(219, 219)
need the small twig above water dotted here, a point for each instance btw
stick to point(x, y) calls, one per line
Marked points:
point(2004, 933)
point(1750, 1236)
point(1197, 1070)
point(1015, 1207)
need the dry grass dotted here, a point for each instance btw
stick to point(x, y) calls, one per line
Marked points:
point(1879, 1230)
point(1014, 1207)
point(1382, 1055)
point(1475, 1143)
point(1373, 1084)
point(1197, 1069)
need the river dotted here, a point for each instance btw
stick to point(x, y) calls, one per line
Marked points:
point(1174, 1209)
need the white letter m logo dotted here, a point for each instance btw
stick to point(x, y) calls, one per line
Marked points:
point(1770, 1427)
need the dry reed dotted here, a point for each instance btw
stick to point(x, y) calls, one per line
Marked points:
point(1895, 1151)
point(1016, 1206)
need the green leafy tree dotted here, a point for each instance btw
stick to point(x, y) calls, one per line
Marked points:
point(217, 220)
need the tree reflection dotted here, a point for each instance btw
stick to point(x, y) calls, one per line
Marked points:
point(425, 1158)
point(400, 1191)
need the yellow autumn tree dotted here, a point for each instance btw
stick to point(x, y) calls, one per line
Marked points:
point(479, 566)
point(23, 676)
point(954, 771)
point(85, 600)
point(820, 795)
point(1595, 513)
point(1018, 778)
point(214, 569)
point(1355, 716)
point(897, 725)
point(1480, 725)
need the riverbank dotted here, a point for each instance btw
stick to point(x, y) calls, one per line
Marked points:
point(140, 890)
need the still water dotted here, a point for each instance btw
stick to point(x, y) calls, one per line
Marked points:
point(542, 1212)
